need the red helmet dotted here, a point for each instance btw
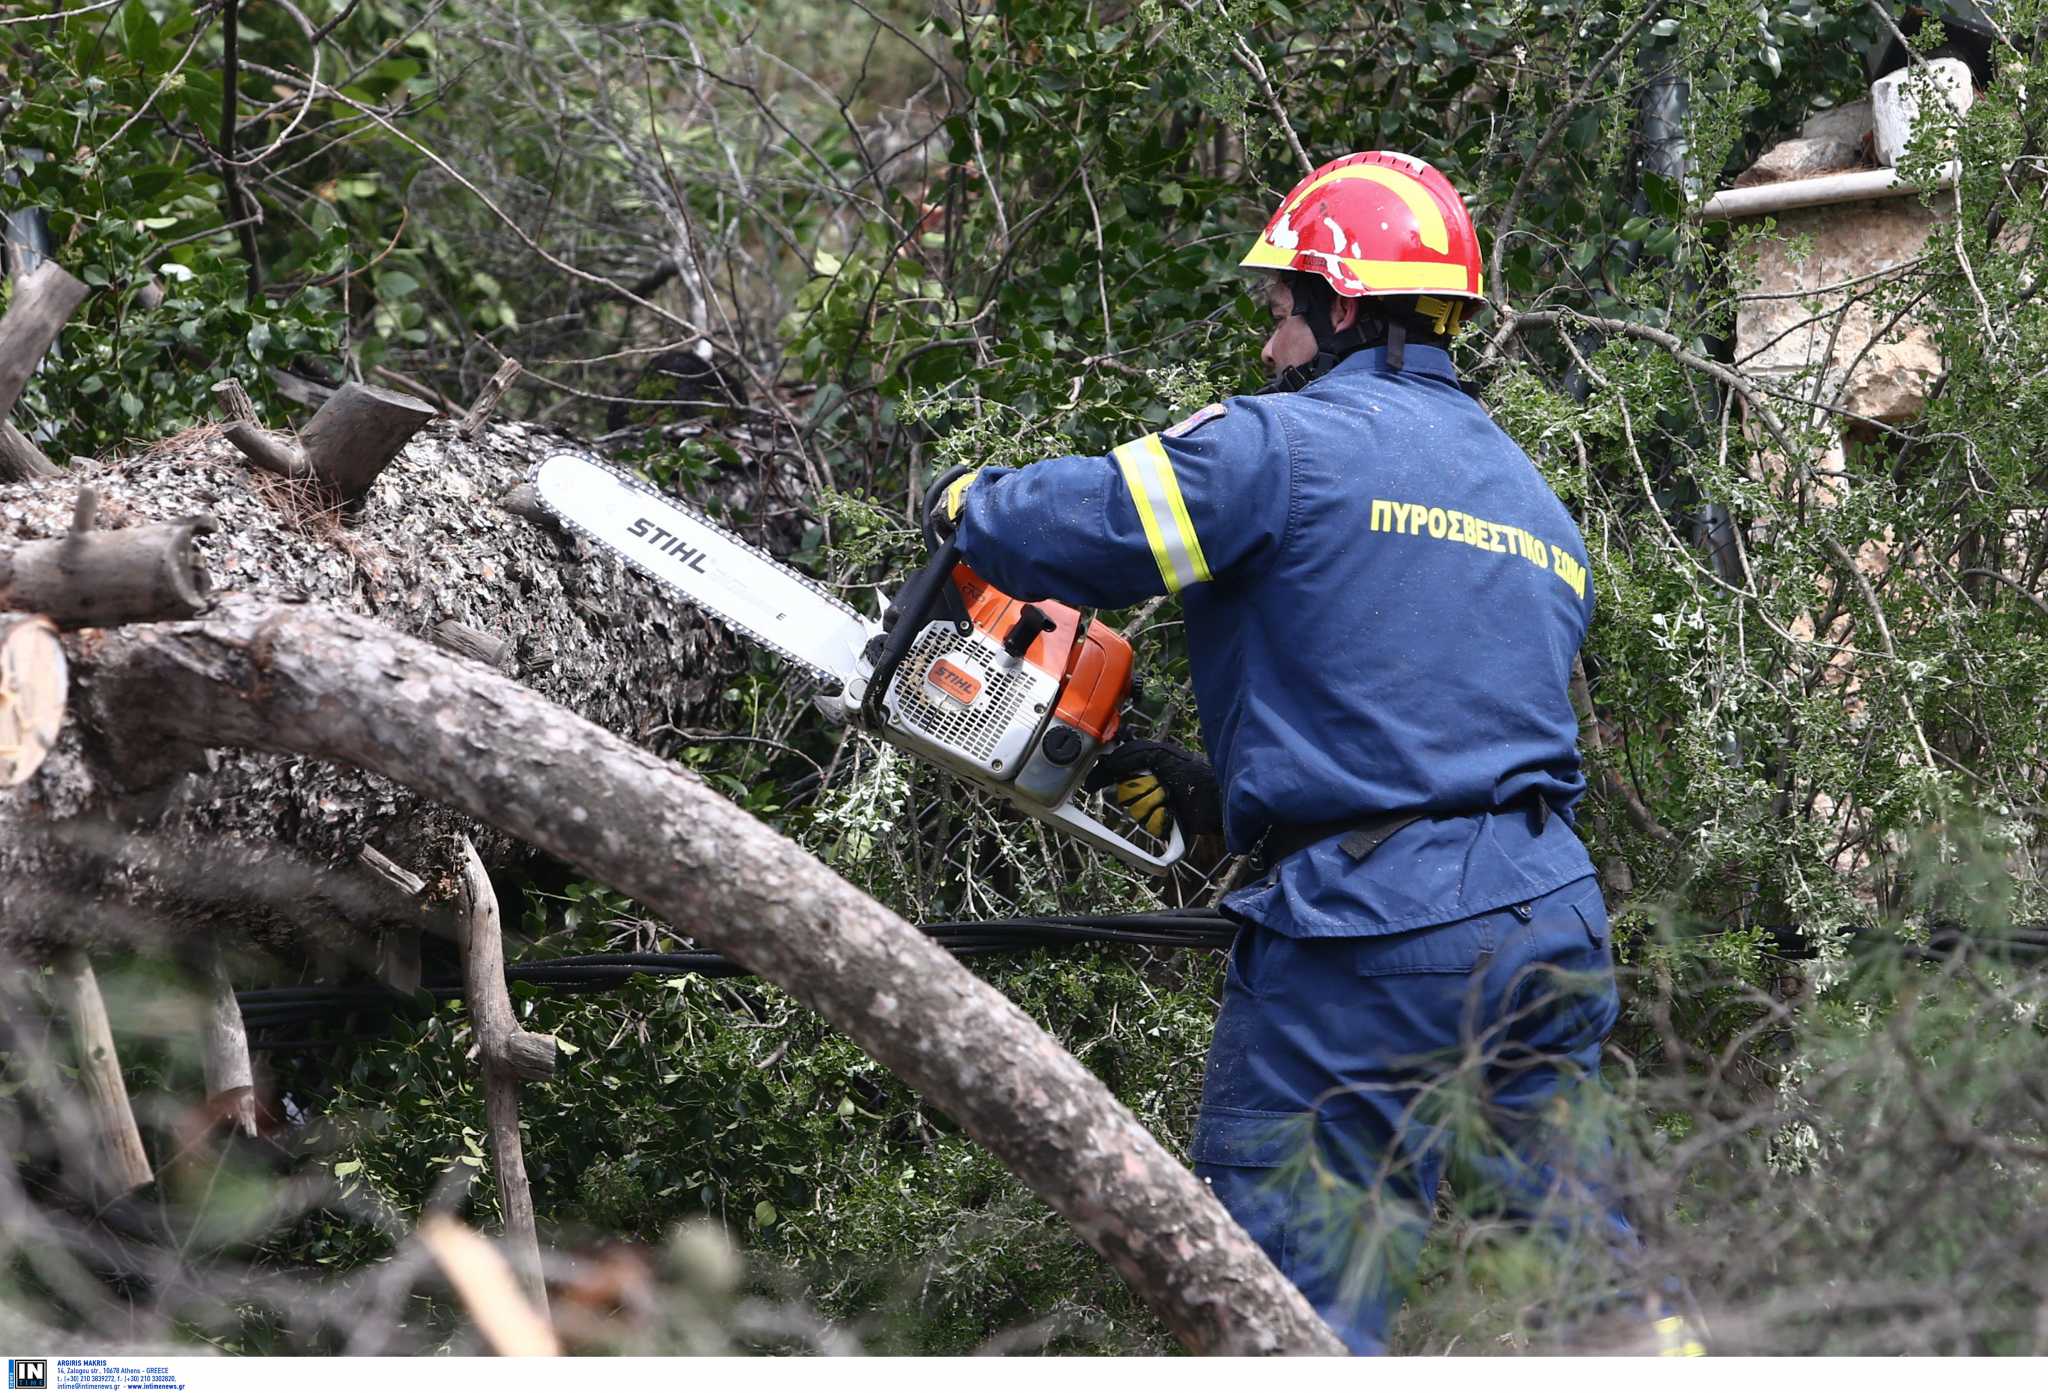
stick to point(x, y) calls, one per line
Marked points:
point(1375, 223)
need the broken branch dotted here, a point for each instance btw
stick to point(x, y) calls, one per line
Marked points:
point(490, 1008)
point(487, 400)
point(125, 1164)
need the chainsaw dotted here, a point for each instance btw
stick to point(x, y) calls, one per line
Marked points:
point(1017, 698)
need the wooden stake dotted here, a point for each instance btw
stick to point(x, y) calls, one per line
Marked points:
point(490, 1011)
point(34, 683)
point(99, 1068)
point(488, 399)
point(43, 300)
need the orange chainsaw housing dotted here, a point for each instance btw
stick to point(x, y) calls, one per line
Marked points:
point(1093, 668)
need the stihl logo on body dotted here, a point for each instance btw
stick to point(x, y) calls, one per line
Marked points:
point(669, 544)
point(952, 681)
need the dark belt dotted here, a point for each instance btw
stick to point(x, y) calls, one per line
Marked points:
point(1363, 836)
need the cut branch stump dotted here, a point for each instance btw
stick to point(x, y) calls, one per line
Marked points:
point(351, 438)
point(488, 399)
point(97, 579)
point(125, 1165)
point(457, 637)
point(43, 300)
point(359, 431)
point(34, 683)
point(235, 402)
point(523, 501)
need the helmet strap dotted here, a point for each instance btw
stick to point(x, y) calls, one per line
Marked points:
point(1313, 301)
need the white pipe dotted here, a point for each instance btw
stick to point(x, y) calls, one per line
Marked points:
point(1852, 187)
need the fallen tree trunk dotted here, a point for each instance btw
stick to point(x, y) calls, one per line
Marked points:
point(117, 841)
point(303, 680)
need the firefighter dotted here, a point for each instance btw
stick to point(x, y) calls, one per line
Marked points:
point(1383, 603)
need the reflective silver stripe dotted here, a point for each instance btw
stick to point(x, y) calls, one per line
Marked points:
point(1148, 473)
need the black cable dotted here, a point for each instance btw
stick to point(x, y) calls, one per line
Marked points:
point(277, 1008)
point(268, 1009)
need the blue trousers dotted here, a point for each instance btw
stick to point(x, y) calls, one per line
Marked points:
point(1346, 1073)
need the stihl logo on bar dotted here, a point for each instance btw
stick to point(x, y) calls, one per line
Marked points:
point(669, 543)
point(952, 681)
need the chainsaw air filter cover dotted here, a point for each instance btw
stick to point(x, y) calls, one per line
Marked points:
point(1022, 694)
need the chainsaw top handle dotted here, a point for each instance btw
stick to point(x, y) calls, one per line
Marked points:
point(923, 598)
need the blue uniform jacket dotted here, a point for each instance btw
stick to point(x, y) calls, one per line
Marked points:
point(1383, 601)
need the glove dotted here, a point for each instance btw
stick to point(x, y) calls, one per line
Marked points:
point(946, 512)
point(1158, 785)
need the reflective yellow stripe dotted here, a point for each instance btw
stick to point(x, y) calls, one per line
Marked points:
point(1385, 277)
point(1676, 1340)
point(1148, 473)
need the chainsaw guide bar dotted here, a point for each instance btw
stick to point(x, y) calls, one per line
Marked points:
point(670, 541)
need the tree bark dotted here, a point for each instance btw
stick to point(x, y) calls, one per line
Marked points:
point(34, 682)
point(20, 458)
point(125, 1165)
point(334, 686)
point(96, 579)
point(151, 843)
point(43, 300)
point(490, 1010)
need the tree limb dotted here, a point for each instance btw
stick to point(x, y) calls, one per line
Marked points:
point(304, 680)
point(43, 300)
